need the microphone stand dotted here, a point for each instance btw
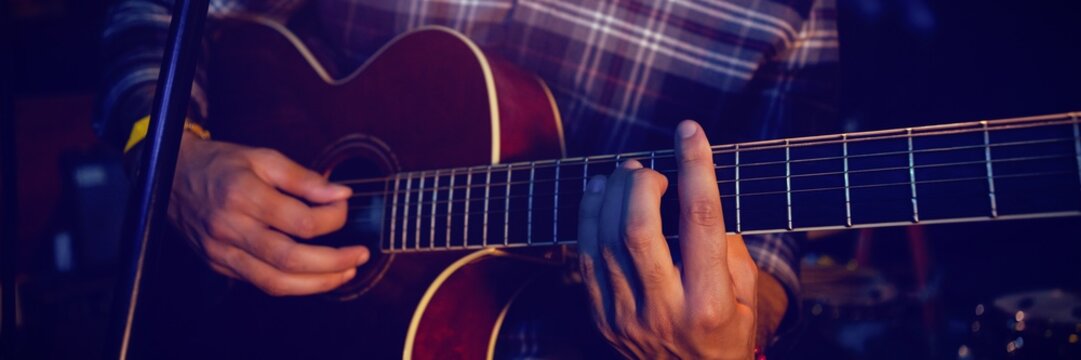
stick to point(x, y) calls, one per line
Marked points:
point(150, 200)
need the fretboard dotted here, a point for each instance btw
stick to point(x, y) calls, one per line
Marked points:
point(985, 170)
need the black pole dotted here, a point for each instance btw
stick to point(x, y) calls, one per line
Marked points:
point(8, 343)
point(146, 211)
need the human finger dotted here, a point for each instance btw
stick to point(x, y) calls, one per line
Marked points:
point(291, 216)
point(588, 248)
point(701, 228)
point(288, 255)
point(613, 250)
point(645, 242)
point(285, 174)
point(271, 280)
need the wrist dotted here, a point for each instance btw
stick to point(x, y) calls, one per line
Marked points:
point(772, 304)
point(189, 140)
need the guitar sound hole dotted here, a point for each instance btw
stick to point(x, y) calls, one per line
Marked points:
point(365, 217)
point(361, 170)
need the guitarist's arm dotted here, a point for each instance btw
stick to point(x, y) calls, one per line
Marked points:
point(133, 47)
point(237, 205)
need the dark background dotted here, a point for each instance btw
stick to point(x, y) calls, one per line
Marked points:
point(904, 63)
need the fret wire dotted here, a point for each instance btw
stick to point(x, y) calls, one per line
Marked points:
point(555, 206)
point(652, 158)
point(468, 198)
point(420, 208)
point(739, 217)
point(867, 186)
point(435, 201)
point(487, 197)
point(529, 216)
point(932, 130)
point(450, 202)
point(848, 196)
point(585, 173)
point(912, 178)
point(383, 212)
point(405, 209)
point(506, 212)
point(990, 172)
point(788, 181)
point(394, 209)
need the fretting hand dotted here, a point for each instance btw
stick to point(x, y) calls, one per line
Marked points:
point(231, 202)
point(642, 303)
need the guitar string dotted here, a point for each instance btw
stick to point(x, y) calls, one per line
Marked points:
point(745, 180)
point(912, 182)
point(417, 242)
point(720, 149)
point(673, 187)
point(723, 149)
point(744, 195)
point(745, 165)
point(449, 225)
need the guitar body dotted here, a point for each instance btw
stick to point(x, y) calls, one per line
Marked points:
point(430, 99)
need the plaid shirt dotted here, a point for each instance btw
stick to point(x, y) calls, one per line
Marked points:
point(623, 72)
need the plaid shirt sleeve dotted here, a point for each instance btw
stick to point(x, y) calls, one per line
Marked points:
point(133, 47)
point(778, 255)
point(796, 93)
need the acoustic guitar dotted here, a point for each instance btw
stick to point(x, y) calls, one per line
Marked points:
point(462, 191)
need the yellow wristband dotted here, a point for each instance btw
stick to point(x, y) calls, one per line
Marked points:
point(138, 131)
point(196, 129)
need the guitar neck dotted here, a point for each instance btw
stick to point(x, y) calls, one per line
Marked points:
point(986, 170)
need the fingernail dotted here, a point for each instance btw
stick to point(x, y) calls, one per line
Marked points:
point(340, 190)
point(630, 164)
point(596, 184)
point(363, 258)
point(687, 129)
